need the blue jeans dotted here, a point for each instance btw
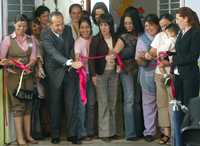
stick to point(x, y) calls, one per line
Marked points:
point(86, 113)
point(128, 90)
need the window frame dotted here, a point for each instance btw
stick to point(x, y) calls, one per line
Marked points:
point(169, 3)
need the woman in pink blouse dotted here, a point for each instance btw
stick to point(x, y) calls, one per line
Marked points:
point(81, 47)
point(20, 47)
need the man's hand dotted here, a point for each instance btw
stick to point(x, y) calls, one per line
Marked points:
point(76, 64)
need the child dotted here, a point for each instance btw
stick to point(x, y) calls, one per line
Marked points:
point(171, 31)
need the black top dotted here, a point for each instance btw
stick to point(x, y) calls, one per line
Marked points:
point(187, 53)
point(98, 47)
point(130, 41)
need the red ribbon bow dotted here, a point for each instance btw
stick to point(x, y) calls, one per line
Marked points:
point(21, 66)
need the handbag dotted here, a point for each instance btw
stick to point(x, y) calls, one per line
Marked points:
point(26, 95)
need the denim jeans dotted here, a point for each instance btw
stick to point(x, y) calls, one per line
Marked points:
point(128, 90)
point(86, 113)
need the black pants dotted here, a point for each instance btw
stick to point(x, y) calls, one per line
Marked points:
point(67, 94)
point(186, 88)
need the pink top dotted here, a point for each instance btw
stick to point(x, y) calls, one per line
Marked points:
point(21, 41)
point(81, 47)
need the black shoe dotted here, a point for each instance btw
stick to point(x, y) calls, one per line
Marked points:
point(55, 140)
point(76, 140)
point(69, 139)
point(149, 138)
point(132, 138)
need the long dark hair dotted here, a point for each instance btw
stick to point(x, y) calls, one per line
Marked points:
point(133, 13)
point(193, 19)
point(99, 5)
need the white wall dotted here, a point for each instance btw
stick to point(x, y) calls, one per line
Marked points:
point(194, 4)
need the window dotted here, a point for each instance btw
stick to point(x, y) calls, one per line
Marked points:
point(169, 6)
point(19, 6)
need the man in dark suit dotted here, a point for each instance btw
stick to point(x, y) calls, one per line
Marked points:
point(57, 43)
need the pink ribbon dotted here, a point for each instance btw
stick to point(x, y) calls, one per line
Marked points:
point(83, 75)
point(21, 66)
point(119, 62)
point(82, 83)
point(162, 54)
point(172, 89)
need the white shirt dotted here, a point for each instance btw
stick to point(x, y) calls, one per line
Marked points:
point(163, 43)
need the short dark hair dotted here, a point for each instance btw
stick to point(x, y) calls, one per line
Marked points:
point(167, 16)
point(55, 13)
point(173, 28)
point(133, 13)
point(73, 6)
point(41, 10)
point(98, 5)
point(107, 18)
point(152, 18)
point(21, 17)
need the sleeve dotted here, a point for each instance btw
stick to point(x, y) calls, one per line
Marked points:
point(50, 50)
point(77, 47)
point(4, 46)
point(193, 55)
point(35, 50)
point(123, 38)
point(139, 48)
point(92, 52)
point(156, 41)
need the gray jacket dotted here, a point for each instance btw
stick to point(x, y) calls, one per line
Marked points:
point(57, 50)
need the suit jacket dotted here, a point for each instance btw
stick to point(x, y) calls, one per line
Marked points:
point(192, 118)
point(57, 50)
point(187, 53)
point(98, 47)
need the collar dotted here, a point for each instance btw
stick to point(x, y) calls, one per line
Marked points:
point(149, 36)
point(14, 36)
point(57, 34)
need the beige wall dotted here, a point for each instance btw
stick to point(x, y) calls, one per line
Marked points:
point(150, 6)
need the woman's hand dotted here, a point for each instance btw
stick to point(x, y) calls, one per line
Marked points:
point(94, 80)
point(5, 61)
point(118, 46)
point(148, 56)
point(41, 73)
point(164, 63)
